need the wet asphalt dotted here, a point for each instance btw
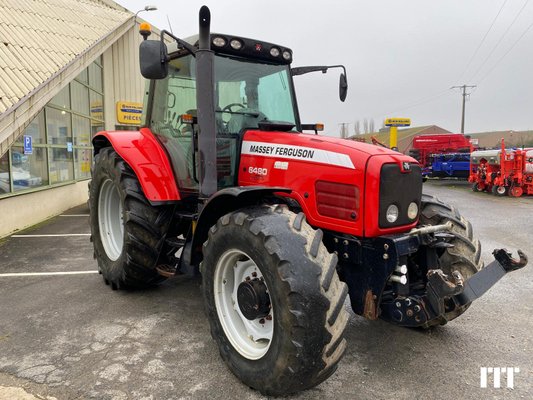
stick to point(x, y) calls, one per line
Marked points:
point(72, 337)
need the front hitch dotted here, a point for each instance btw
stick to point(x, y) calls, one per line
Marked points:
point(444, 291)
point(483, 280)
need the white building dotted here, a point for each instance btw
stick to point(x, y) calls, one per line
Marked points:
point(68, 68)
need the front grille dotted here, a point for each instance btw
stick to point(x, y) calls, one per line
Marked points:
point(399, 188)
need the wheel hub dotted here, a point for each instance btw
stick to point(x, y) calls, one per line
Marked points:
point(253, 299)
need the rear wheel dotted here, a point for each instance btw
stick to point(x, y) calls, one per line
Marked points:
point(499, 190)
point(127, 232)
point(274, 300)
point(464, 256)
point(516, 191)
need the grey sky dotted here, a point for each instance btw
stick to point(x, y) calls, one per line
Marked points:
point(401, 56)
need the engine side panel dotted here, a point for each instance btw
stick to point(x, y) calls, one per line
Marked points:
point(144, 154)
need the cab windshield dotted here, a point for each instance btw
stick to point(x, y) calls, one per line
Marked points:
point(246, 93)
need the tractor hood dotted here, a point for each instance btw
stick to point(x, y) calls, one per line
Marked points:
point(317, 167)
point(317, 149)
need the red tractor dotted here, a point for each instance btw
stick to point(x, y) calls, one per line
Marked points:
point(282, 225)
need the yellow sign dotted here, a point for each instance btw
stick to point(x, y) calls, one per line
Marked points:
point(398, 122)
point(97, 111)
point(129, 113)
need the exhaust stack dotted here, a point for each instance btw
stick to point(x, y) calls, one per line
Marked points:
point(205, 100)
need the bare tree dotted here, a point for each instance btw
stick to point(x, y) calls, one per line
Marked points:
point(371, 125)
point(365, 125)
point(357, 128)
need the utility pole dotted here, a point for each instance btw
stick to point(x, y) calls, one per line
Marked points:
point(464, 87)
point(344, 129)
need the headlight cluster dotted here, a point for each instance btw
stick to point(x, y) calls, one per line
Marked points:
point(252, 47)
point(393, 212)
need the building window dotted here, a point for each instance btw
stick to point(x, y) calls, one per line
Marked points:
point(61, 134)
point(5, 182)
point(58, 126)
point(28, 171)
point(62, 99)
point(95, 77)
point(36, 130)
point(61, 165)
point(81, 127)
point(80, 98)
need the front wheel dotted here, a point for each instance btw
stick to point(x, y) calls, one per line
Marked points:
point(464, 256)
point(274, 301)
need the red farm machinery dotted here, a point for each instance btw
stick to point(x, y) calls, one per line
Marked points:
point(502, 172)
point(283, 226)
point(443, 155)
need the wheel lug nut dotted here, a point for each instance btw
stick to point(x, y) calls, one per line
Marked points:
point(254, 274)
point(269, 317)
point(262, 321)
point(247, 278)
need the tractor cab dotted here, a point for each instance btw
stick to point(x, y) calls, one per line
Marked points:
point(252, 88)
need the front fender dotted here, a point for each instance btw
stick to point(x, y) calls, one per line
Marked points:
point(221, 203)
point(144, 154)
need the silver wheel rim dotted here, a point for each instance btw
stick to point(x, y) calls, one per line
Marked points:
point(501, 189)
point(251, 338)
point(110, 221)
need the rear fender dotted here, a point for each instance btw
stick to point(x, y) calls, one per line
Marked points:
point(143, 153)
point(221, 203)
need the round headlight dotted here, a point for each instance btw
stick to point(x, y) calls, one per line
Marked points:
point(235, 44)
point(274, 52)
point(392, 213)
point(219, 42)
point(287, 55)
point(412, 210)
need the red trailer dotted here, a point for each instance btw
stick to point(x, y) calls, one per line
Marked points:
point(426, 145)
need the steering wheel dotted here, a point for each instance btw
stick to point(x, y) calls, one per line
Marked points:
point(228, 108)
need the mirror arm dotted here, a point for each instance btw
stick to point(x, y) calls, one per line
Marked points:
point(324, 68)
point(184, 44)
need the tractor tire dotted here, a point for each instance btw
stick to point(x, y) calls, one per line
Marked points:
point(464, 257)
point(499, 190)
point(267, 263)
point(476, 187)
point(516, 191)
point(127, 232)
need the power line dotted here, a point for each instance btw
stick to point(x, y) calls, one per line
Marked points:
point(500, 40)
point(464, 87)
point(416, 103)
point(483, 40)
point(505, 55)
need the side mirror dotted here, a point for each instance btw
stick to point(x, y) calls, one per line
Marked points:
point(343, 87)
point(153, 59)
